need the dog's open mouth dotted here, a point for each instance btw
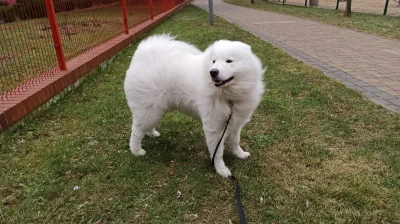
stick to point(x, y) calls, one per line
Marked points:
point(219, 83)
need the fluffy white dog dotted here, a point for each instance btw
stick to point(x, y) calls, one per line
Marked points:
point(166, 74)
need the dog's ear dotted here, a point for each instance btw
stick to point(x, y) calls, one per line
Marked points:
point(243, 45)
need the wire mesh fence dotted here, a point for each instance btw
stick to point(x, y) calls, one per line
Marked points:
point(364, 6)
point(25, 50)
point(138, 11)
point(29, 51)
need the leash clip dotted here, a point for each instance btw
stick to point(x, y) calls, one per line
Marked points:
point(233, 178)
point(230, 103)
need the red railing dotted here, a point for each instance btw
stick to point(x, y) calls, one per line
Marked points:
point(38, 37)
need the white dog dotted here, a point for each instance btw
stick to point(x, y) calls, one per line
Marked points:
point(166, 74)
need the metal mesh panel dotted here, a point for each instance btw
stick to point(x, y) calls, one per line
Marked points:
point(25, 47)
point(28, 43)
point(84, 24)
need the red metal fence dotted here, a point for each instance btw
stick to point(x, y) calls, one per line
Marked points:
point(37, 37)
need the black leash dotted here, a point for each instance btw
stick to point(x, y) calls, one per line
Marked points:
point(233, 178)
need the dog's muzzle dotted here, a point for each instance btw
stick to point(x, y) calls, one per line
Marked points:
point(219, 83)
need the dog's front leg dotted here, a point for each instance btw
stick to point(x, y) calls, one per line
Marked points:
point(212, 138)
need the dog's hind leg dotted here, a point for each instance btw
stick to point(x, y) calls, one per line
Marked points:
point(141, 124)
point(135, 142)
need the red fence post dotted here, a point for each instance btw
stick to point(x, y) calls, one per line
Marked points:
point(151, 9)
point(56, 34)
point(165, 5)
point(125, 15)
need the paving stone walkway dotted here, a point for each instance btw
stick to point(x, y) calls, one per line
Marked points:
point(365, 62)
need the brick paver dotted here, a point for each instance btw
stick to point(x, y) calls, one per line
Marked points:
point(361, 61)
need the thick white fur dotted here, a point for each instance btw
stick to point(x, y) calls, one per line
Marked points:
point(166, 74)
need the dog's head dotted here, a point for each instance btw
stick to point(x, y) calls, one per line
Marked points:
point(230, 62)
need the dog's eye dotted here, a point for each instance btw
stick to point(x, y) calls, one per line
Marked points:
point(213, 61)
point(229, 61)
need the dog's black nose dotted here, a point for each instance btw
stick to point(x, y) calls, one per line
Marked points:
point(214, 72)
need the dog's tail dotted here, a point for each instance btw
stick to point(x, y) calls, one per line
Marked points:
point(163, 44)
point(154, 44)
point(158, 38)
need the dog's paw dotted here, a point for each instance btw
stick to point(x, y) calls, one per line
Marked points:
point(156, 134)
point(242, 155)
point(239, 153)
point(153, 133)
point(139, 152)
point(225, 172)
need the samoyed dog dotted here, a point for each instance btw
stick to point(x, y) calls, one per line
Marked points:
point(166, 74)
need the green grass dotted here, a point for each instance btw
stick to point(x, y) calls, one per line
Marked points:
point(320, 153)
point(388, 26)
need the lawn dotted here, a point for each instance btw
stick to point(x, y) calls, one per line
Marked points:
point(387, 26)
point(320, 153)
